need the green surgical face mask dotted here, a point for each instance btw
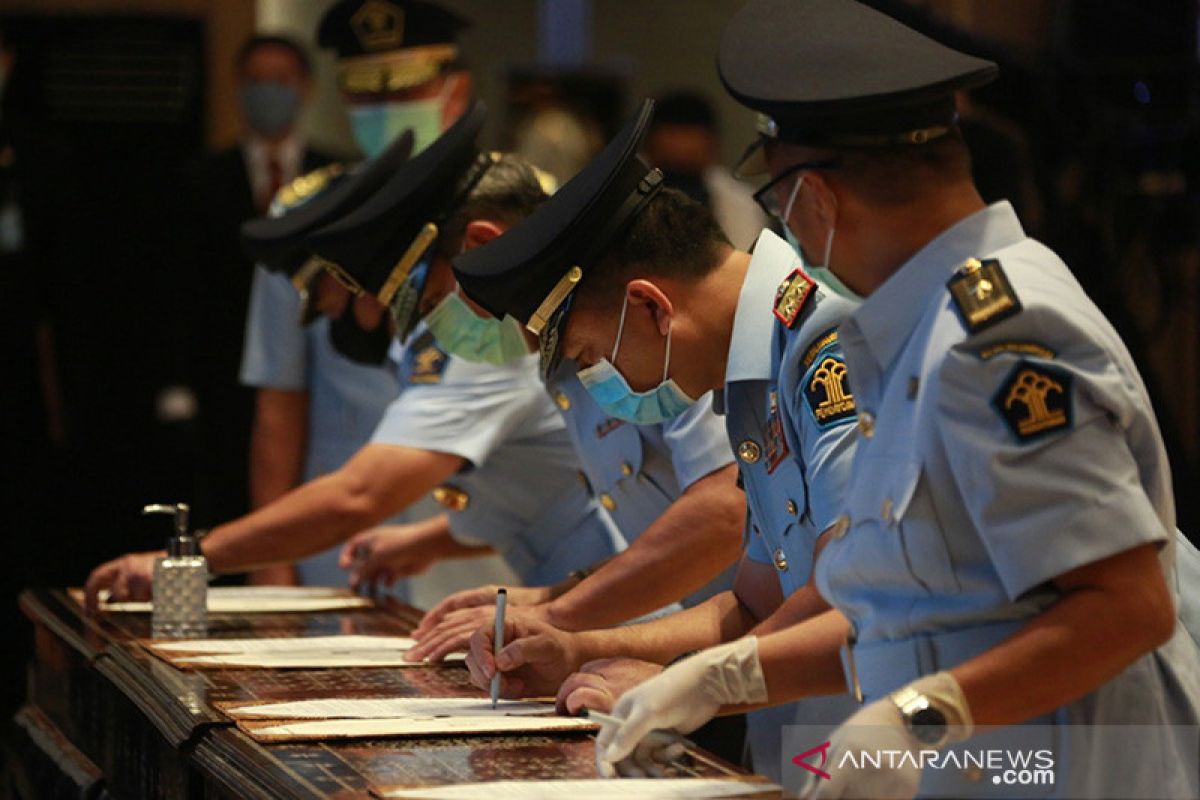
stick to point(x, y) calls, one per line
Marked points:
point(377, 125)
point(822, 274)
point(463, 333)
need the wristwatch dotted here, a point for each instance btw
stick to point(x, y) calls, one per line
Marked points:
point(924, 720)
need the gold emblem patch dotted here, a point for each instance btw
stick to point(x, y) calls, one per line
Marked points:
point(1035, 400)
point(792, 295)
point(982, 294)
point(378, 25)
point(826, 388)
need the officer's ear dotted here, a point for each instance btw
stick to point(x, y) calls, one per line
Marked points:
point(480, 231)
point(647, 297)
point(824, 199)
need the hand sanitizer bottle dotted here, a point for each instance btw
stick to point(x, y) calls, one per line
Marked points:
point(180, 588)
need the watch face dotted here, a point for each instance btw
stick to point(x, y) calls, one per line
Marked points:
point(929, 725)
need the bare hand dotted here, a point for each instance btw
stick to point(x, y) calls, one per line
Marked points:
point(536, 660)
point(481, 596)
point(381, 556)
point(453, 633)
point(599, 684)
point(126, 578)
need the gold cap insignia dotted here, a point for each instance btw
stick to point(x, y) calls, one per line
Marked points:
point(378, 25)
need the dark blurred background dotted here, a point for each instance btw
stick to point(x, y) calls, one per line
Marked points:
point(1091, 131)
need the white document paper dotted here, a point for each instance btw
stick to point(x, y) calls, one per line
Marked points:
point(289, 644)
point(254, 600)
point(389, 708)
point(310, 660)
point(373, 728)
point(595, 789)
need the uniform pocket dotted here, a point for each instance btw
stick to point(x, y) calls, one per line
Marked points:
point(893, 504)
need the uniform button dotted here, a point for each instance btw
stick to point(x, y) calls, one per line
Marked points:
point(607, 501)
point(886, 510)
point(866, 423)
point(839, 527)
point(563, 401)
point(626, 468)
point(451, 498)
point(780, 560)
point(749, 451)
point(791, 507)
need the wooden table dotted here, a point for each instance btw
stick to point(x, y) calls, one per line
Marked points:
point(106, 718)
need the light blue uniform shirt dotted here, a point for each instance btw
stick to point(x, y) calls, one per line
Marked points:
point(520, 492)
point(794, 466)
point(346, 399)
point(637, 471)
point(989, 464)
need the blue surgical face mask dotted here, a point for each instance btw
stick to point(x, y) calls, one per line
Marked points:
point(376, 125)
point(613, 394)
point(270, 108)
point(822, 274)
point(463, 333)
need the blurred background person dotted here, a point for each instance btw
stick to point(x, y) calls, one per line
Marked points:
point(228, 187)
point(684, 142)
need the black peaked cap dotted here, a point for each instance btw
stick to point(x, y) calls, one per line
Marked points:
point(515, 273)
point(280, 243)
point(369, 242)
point(839, 73)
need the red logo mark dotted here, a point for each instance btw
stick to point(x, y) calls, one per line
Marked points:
point(802, 760)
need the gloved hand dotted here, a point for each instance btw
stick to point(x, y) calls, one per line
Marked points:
point(880, 726)
point(682, 698)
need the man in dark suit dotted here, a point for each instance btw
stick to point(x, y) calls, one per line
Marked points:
point(228, 188)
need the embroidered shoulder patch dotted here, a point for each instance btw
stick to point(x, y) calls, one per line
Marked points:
point(425, 361)
point(792, 295)
point(982, 294)
point(1034, 400)
point(827, 390)
point(818, 344)
point(1022, 348)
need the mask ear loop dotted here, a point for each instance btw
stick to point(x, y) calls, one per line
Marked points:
point(787, 209)
point(620, 330)
point(829, 248)
point(667, 361)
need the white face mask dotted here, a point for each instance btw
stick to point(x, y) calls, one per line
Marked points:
point(821, 273)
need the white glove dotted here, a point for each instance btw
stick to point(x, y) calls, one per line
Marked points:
point(880, 727)
point(683, 697)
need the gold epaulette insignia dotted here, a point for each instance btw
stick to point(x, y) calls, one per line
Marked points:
point(792, 295)
point(982, 294)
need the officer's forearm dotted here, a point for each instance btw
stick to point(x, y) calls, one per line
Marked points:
point(694, 540)
point(379, 481)
point(1112, 612)
point(277, 444)
point(801, 605)
point(803, 660)
point(718, 619)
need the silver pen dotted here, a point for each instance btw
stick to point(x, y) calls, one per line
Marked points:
point(498, 641)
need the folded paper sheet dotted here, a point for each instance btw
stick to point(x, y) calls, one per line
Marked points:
point(597, 789)
point(305, 652)
point(302, 730)
point(387, 708)
point(254, 600)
